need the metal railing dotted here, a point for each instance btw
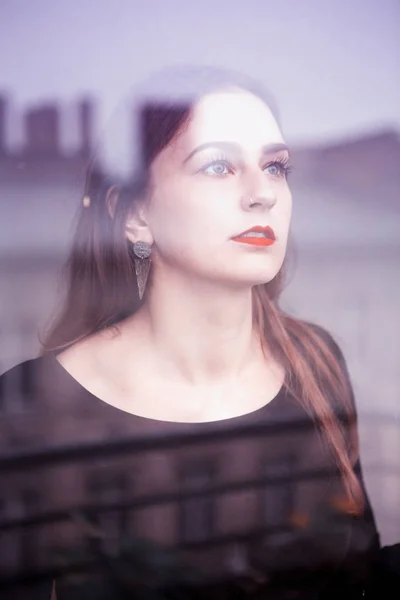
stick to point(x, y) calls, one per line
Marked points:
point(39, 458)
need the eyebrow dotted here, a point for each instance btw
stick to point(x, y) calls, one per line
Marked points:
point(231, 146)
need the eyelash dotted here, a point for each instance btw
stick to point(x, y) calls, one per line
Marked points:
point(283, 163)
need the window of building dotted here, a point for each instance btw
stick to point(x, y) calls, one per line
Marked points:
point(19, 545)
point(30, 501)
point(197, 513)
point(107, 488)
point(277, 496)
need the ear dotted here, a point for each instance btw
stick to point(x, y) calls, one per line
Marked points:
point(137, 228)
point(112, 199)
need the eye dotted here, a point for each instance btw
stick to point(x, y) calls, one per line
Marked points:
point(278, 168)
point(273, 169)
point(217, 168)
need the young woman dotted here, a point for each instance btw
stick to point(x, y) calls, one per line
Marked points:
point(172, 325)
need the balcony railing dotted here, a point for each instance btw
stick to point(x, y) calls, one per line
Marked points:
point(84, 513)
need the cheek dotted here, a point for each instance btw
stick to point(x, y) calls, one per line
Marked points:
point(187, 209)
point(176, 220)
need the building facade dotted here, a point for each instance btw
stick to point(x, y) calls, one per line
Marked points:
point(346, 279)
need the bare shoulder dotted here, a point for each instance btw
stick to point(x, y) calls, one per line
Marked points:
point(102, 363)
point(81, 359)
point(78, 354)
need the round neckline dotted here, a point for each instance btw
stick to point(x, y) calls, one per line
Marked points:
point(76, 388)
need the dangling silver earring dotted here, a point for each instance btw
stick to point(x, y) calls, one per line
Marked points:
point(142, 251)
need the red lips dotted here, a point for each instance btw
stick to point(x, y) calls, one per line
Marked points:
point(264, 236)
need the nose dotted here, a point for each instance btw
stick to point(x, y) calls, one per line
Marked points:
point(259, 196)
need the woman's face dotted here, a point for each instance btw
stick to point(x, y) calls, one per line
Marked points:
point(202, 183)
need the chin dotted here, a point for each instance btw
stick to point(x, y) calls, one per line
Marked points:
point(250, 279)
point(267, 278)
point(258, 274)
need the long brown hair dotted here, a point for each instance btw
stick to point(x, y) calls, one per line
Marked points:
point(101, 282)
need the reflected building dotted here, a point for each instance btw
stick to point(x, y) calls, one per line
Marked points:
point(347, 234)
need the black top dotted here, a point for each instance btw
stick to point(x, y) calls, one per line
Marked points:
point(247, 504)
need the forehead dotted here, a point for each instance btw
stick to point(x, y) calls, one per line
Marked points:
point(235, 116)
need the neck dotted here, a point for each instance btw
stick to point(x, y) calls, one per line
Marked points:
point(201, 332)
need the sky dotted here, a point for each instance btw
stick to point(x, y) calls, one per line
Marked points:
point(332, 65)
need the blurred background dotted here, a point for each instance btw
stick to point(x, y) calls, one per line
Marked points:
point(333, 68)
